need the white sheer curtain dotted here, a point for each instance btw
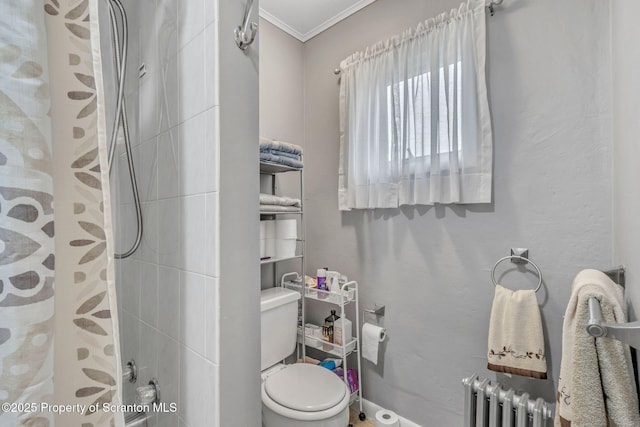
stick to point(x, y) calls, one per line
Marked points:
point(415, 127)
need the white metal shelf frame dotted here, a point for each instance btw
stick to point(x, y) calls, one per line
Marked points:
point(341, 299)
point(273, 169)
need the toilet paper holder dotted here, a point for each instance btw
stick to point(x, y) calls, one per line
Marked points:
point(377, 311)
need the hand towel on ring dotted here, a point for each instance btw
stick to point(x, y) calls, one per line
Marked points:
point(516, 339)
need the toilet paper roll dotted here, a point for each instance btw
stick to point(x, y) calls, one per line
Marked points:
point(269, 227)
point(263, 248)
point(286, 229)
point(372, 336)
point(285, 248)
point(387, 418)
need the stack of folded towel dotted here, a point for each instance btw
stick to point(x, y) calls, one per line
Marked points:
point(271, 203)
point(280, 152)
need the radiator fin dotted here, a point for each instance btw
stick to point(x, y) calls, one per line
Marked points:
point(487, 405)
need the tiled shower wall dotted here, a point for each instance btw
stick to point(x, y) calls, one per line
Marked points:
point(168, 290)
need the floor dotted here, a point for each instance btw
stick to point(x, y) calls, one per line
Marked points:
point(353, 419)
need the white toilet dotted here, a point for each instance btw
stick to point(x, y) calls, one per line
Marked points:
point(298, 395)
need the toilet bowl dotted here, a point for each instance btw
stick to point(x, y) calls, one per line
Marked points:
point(304, 395)
point(298, 395)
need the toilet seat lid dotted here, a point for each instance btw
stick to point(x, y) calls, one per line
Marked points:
point(305, 387)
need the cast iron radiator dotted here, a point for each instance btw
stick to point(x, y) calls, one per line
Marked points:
point(487, 405)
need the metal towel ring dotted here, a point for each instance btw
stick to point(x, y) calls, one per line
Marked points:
point(523, 260)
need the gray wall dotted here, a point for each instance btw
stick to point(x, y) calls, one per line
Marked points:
point(281, 113)
point(548, 68)
point(282, 85)
point(625, 55)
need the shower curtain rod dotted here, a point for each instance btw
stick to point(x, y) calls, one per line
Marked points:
point(491, 6)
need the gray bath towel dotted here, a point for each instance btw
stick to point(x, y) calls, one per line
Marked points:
point(596, 386)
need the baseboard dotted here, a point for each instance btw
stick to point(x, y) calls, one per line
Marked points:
point(371, 408)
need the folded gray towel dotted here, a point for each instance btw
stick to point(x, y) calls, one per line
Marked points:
point(281, 153)
point(271, 144)
point(282, 160)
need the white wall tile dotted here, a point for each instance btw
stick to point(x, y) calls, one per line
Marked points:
point(167, 28)
point(169, 302)
point(130, 295)
point(168, 107)
point(130, 337)
point(152, 420)
point(132, 103)
point(147, 32)
point(211, 319)
point(169, 369)
point(148, 250)
point(192, 155)
point(149, 293)
point(212, 148)
point(169, 164)
point(130, 340)
point(170, 312)
point(191, 20)
point(212, 228)
point(170, 232)
point(212, 69)
point(210, 11)
point(125, 238)
point(192, 301)
point(194, 234)
point(212, 393)
point(192, 78)
point(148, 103)
point(168, 420)
point(168, 87)
point(125, 196)
point(148, 354)
point(145, 163)
point(193, 401)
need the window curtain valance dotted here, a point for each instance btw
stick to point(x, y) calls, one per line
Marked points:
point(415, 126)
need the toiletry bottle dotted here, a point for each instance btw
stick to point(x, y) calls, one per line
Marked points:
point(329, 323)
point(327, 334)
point(322, 283)
point(342, 331)
point(322, 279)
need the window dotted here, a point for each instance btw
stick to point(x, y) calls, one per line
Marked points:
point(413, 123)
point(415, 126)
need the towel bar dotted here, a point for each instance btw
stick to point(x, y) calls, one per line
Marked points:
point(628, 333)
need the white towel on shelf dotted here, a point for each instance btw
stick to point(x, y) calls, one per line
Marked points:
point(516, 339)
point(270, 199)
point(596, 387)
point(278, 208)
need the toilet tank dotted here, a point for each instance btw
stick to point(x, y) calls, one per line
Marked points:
point(279, 324)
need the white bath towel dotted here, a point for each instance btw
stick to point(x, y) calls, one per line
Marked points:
point(596, 386)
point(516, 340)
point(270, 199)
point(278, 208)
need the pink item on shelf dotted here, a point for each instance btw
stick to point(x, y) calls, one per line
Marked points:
point(352, 378)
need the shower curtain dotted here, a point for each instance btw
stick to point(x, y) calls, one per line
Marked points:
point(58, 320)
